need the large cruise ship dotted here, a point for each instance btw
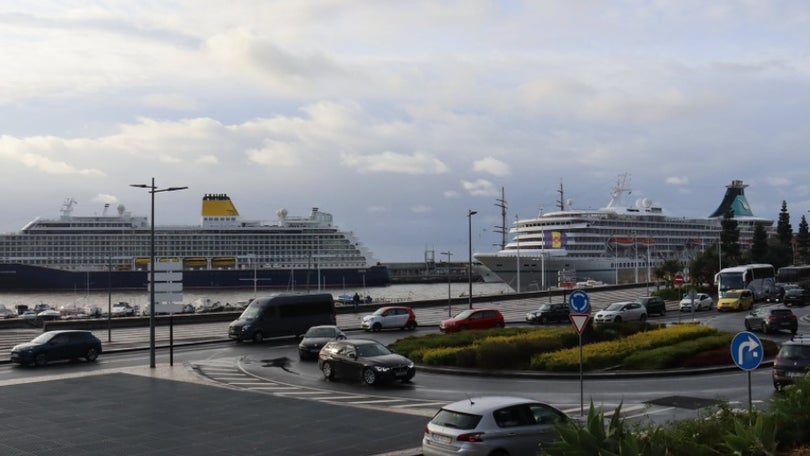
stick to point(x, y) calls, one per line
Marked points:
point(113, 251)
point(616, 244)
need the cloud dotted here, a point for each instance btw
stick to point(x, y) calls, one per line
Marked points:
point(175, 101)
point(418, 163)
point(491, 166)
point(779, 181)
point(677, 180)
point(421, 209)
point(480, 187)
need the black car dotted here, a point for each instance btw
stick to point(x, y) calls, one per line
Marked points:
point(791, 362)
point(771, 318)
point(654, 304)
point(315, 338)
point(57, 345)
point(796, 296)
point(549, 313)
point(365, 360)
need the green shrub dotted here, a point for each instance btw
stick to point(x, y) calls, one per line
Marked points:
point(676, 355)
point(790, 408)
point(497, 355)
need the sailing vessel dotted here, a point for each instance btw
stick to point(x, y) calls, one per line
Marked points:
point(113, 251)
point(619, 243)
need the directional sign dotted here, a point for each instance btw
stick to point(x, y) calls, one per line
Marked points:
point(746, 350)
point(579, 321)
point(579, 302)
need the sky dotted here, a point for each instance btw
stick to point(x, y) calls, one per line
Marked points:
point(400, 117)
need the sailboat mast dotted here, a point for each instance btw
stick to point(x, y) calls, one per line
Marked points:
point(501, 203)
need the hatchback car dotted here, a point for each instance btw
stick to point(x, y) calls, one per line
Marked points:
point(621, 311)
point(57, 345)
point(791, 362)
point(771, 318)
point(796, 296)
point(473, 319)
point(548, 313)
point(365, 360)
point(397, 317)
point(736, 300)
point(315, 338)
point(491, 425)
point(702, 301)
point(653, 304)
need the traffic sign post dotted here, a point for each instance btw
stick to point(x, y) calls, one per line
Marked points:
point(747, 353)
point(580, 305)
point(678, 278)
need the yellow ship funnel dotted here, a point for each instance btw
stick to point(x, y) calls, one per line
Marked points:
point(218, 205)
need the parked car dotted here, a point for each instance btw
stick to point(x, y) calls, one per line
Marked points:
point(548, 313)
point(791, 362)
point(57, 345)
point(736, 300)
point(621, 311)
point(399, 317)
point(653, 304)
point(771, 318)
point(491, 425)
point(473, 319)
point(702, 302)
point(365, 360)
point(315, 338)
point(796, 296)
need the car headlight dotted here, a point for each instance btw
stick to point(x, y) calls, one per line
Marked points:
point(382, 368)
point(245, 328)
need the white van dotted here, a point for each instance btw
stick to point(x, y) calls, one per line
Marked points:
point(282, 315)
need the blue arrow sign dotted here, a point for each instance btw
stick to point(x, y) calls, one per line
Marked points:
point(579, 302)
point(746, 351)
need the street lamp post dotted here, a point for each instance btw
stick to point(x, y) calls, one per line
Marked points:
point(152, 190)
point(470, 213)
point(449, 305)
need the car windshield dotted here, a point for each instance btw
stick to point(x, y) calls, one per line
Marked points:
point(546, 307)
point(795, 352)
point(380, 311)
point(42, 338)
point(456, 420)
point(320, 332)
point(370, 350)
point(464, 314)
point(733, 294)
point(252, 312)
point(616, 306)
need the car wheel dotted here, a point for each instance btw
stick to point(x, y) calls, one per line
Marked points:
point(617, 320)
point(301, 356)
point(499, 325)
point(462, 328)
point(376, 327)
point(41, 360)
point(411, 326)
point(499, 453)
point(327, 371)
point(91, 354)
point(258, 337)
point(543, 320)
point(642, 318)
point(747, 326)
point(369, 376)
point(664, 312)
point(764, 328)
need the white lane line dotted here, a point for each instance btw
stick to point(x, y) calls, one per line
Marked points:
point(377, 401)
point(421, 404)
point(274, 388)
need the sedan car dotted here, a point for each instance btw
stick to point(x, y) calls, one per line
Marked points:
point(702, 301)
point(653, 304)
point(621, 311)
point(791, 362)
point(491, 425)
point(365, 360)
point(57, 345)
point(548, 313)
point(473, 319)
point(315, 338)
point(771, 318)
point(796, 296)
point(397, 317)
point(736, 300)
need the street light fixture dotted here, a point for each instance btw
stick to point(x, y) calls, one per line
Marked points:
point(470, 213)
point(152, 190)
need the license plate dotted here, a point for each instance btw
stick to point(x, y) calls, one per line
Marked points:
point(442, 438)
point(795, 374)
point(401, 373)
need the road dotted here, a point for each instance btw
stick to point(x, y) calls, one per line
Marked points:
point(240, 367)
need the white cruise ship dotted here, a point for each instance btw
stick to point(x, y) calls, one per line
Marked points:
point(616, 244)
point(114, 250)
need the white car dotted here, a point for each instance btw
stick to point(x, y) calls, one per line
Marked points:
point(621, 311)
point(491, 425)
point(702, 301)
point(399, 317)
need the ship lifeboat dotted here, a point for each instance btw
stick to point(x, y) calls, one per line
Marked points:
point(124, 267)
point(141, 262)
point(194, 262)
point(621, 241)
point(223, 262)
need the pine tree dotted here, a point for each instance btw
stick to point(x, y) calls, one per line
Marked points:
point(759, 245)
point(803, 242)
point(730, 240)
point(784, 232)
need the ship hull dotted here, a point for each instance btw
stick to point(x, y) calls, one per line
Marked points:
point(21, 277)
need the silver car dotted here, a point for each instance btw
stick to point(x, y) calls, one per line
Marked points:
point(491, 425)
point(702, 301)
point(621, 311)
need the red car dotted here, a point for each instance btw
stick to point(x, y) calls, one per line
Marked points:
point(473, 319)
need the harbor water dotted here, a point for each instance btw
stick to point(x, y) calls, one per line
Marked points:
point(399, 293)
